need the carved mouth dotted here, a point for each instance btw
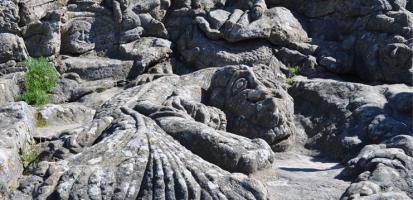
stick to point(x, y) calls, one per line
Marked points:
point(274, 136)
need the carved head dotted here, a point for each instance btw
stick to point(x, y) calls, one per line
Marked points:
point(252, 110)
point(77, 37)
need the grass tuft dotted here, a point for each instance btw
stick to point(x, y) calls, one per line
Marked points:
point(293, 70)
point(205, 7)
point(29, 155)
point(289, 81)
point(39, 79)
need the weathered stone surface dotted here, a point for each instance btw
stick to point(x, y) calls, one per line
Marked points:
point(276, 25)
point(72, 88)
point(159, 135)
point(42, 38)
point(383, 170)
point(391, 61)
point(197, 51)
point(95, 68)
point(340, 118)
point(16, 127)
point(55, 115)
point(157, 151)
point(147, 51)
point(58, 119)
point(9, 17)
point(9, 88)
point(34, 10)
point(83, 33)
point(12, 48)
point(10, 67)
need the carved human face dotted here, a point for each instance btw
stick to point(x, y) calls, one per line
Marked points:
point(252, 110)
point(77, 38)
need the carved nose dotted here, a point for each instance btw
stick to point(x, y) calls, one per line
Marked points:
point(255, 95)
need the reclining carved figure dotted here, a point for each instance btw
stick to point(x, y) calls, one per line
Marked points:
point(277, 25)
point(164, 139)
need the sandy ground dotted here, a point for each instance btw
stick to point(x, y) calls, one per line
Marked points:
point(299, 177)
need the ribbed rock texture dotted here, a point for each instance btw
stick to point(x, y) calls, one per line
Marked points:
point(189, 99)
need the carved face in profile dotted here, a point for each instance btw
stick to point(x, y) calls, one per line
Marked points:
point(252, 110)
point(77, 38)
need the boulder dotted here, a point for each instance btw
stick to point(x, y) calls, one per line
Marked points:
point(16, 128)
point(9, 88)
point(95, 68)
point(12, 48)
point(350, 115)
point(383, 170)
point(42, 38)
point(9, 17)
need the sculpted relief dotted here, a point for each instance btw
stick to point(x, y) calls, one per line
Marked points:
point(210, 99)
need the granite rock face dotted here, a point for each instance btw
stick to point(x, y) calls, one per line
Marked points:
point(369, 127)
point(158, 137)
point(197, 99)
point(370, 39)
point(351, 115)
point(16, 128)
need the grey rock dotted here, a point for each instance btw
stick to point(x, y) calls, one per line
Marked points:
point(42, 38)
point(95, 68)
point(71, 88)
point(147, 50)
point(60, 118)
point(383, 58)
point(16, 128)
point(369, 39)
point(9, 17)
point(34, 10)
point(55, 115)
point(11, 67)
point(157, 152)
point(9, 88)
point(12, 48)
point(384, 170)
point(317, 8)
point(197, 51)
point(277, 25)
point(344, 117)
point(83, 33)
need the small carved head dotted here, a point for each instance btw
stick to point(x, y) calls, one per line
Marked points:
point(77, 37)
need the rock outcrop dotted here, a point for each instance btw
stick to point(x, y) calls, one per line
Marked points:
point(189, 99)
point(16, 129)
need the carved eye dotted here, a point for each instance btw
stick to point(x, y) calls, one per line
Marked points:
point(239, 85)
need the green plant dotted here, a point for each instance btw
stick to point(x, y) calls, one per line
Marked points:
point(289, 81)
point(205, 7)
point(39, 79)
point(294, 70)
point(29, 155)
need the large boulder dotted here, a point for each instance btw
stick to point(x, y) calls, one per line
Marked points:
point(9, 88)
point(161, 139)
point(12, 48)
point(9, 17)
point(42, 38)
point(383, 170)
point(342, 117)
point(95, 68)
point(384, 57)
point(196, 50)
point(16, 128)
point(147, 50)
